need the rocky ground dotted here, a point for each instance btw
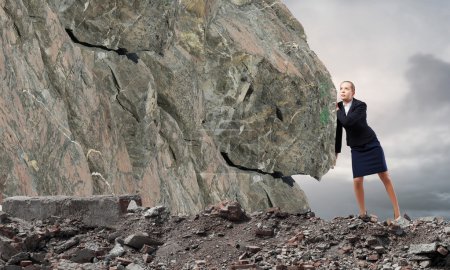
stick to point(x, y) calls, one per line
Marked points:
point(224, 237)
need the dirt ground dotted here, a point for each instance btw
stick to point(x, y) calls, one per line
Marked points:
point(223, 237)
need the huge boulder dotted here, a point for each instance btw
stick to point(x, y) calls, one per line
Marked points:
point(186, 102)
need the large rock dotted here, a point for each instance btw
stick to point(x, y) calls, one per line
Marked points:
point(188, 102)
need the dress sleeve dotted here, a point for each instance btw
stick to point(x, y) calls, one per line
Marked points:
point(353, 117)
point(338, 143)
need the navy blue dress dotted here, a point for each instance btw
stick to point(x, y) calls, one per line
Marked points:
point(367, 153)
point(368, 159)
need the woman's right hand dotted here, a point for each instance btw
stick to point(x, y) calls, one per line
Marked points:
point(335, 160)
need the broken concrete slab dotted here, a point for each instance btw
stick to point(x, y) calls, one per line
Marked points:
point(422, 248)
point(98, 210)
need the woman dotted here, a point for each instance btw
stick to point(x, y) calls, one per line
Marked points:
point(367, 154)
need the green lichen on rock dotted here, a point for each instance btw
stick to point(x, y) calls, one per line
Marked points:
point(324, 116)
point(324, 87)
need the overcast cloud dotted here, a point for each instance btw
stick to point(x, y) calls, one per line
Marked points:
point(398, 55)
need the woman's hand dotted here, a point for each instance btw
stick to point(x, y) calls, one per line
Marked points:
point(335, 161)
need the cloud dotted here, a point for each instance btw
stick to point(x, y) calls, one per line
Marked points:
point(420, 121)
point(424, 186)
point(429, 80)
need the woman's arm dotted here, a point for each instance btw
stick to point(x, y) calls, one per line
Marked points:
point(353, 117)
point(338, 143)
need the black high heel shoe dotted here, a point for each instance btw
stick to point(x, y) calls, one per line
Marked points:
point(365, 217)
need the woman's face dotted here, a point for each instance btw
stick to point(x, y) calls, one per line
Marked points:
point(346, 92)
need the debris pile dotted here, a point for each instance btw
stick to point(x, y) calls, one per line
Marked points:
point(224, 236)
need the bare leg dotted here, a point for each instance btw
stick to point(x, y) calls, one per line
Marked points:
point(384, 176)
point(359, 192)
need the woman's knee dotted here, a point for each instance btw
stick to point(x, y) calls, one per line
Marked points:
point(384, 176)
point(358, 180)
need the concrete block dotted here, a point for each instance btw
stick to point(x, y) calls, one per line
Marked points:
point(422, 248)
point(98, 210)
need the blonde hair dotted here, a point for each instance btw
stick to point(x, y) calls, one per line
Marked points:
point(351, 83)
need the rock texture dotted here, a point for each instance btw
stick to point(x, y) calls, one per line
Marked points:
point(185, 102)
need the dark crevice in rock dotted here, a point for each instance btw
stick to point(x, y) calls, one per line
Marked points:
point(279, 114)
point(115, 80)
point(12, 18)
point(133, 57)
point(125, 108)
point(192, 141)
point(17, 30)
point(120, 51)
point(288, 180)
point(277, 174)
point(249, 93)
point(230, 163)
point(8, 13)
point(172, 153)
point(204, 197)
point(167, 107)
point(269, 201)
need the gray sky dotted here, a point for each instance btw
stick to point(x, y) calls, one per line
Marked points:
point(398, 55)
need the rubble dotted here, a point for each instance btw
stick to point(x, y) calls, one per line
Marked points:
point(218, 239)
point(447, 230)
point(132, 206)
point(154, 211)
point(229, 210)
point(140, 239)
